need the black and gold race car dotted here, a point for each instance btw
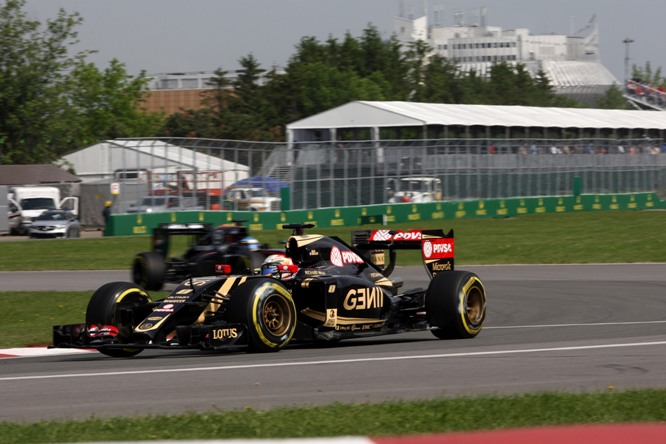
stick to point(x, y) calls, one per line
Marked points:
point(322, 290)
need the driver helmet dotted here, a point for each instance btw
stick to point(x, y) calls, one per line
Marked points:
point(279, 266)
point(251, 243)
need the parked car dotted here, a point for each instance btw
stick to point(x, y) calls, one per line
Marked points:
point(28, 202)
point(55, 223)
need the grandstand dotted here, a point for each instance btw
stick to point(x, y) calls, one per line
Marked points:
point(645, 97)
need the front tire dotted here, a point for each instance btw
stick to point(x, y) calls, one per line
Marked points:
point(266, 307)
point(105, 308)
point(455, 305)
point(149, 271)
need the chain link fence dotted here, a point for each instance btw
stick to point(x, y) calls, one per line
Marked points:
point(350, 173)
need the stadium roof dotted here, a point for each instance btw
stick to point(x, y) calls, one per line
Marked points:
point(366, 114)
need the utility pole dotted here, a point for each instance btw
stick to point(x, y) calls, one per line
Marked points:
point(627, 41)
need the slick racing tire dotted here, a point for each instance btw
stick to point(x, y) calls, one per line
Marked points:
point(266, 307)
point(105, 306)
point(455, 304)
point(149, 271)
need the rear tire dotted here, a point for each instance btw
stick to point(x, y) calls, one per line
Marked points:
point(266, 307)
point(104, 308)
point(455, 305)
point(149, 271)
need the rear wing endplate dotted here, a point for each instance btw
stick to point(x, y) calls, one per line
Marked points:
point(437, 248)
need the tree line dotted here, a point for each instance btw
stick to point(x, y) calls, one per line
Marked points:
point(53, 102)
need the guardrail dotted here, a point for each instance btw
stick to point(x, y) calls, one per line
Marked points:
point(387, 214)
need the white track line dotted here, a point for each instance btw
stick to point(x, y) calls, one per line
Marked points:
point(27, 352)
point(593, 324)
point(340, 361)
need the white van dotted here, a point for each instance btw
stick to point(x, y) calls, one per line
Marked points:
point(28, 202)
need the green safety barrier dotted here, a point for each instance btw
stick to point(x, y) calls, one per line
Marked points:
point(386, 214)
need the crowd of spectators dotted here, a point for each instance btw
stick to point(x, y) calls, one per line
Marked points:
point(646, 92)
point(525, 150)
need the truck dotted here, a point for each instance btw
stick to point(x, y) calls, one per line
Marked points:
point(28, 202)
point(251, 199)
point(414, 189)
point(4, 211)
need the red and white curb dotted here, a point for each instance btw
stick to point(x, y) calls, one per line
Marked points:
point(31, 352)
point(649, 433)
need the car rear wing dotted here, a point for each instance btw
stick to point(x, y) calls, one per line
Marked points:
point(162, 232)
point(437, 248)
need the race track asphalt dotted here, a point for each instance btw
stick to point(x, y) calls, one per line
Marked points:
point(573, 328)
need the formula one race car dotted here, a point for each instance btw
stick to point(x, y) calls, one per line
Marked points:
point(228, 244)
point(319, 289)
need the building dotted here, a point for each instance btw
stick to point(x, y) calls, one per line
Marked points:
point(572, 63)
point(141, 167)
point(173, 92)
point(44, 174)
point(121, 158)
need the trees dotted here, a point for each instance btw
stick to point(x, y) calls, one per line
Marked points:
point(324, 75)
point(647, 75)
point(53, 102)
point(613, 98)
point(33, 84)
point(107, 104)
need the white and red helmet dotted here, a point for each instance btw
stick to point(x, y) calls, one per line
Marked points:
point(279, 266)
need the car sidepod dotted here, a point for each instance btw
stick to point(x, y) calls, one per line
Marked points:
point(343, 306)
point(455, 304)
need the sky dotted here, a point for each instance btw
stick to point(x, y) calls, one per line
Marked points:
point(167, 36)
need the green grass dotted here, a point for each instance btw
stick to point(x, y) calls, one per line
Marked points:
point(595, 237)
point(28, 317)
point(590, 237)
point(383, 419)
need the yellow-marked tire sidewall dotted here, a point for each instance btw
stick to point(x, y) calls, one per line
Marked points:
point(447, 297)
point(247, 305)
point(473, 284)
point(262, 296)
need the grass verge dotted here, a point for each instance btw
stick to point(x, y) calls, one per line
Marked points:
point(417, 417)
point(589, 237)
point(28, 317)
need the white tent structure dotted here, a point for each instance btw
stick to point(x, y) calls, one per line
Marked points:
point(434, 120)
point(105, 160)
